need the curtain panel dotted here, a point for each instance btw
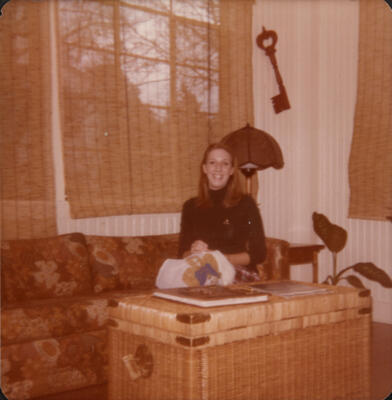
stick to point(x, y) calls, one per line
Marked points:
point(144, 87)
point(26, 159)
point(370, 164)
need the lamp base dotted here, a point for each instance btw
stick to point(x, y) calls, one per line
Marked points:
point(248, 173)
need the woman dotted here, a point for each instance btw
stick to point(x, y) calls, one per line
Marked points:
point(221, 217)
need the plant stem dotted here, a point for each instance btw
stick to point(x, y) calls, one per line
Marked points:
point(334, 260)
point(329, 277)
point(343, 271)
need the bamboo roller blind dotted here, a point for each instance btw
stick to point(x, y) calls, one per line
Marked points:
point(26, 159)
point(145, 86)
point(370, 166)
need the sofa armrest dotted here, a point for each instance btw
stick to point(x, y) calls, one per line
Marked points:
point(276, 264)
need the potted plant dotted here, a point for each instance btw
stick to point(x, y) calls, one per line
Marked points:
point(335, 238)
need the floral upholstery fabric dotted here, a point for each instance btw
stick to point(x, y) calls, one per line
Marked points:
point(41, 367)
point(44, 268)
point(128, 262)
point(275, 265)
point(52, 318)
point(243, 274)
point(55, 297)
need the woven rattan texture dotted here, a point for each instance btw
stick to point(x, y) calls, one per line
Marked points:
point(135, 118)
point(323, 362)
point(370, 166)
point(275, 315)
point(26, 158)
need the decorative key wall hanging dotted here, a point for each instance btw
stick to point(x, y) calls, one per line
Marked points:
point(267, 41)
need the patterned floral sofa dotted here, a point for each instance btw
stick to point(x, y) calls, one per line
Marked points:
point(55, 294)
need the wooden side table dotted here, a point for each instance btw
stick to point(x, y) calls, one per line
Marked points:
point(302, 253)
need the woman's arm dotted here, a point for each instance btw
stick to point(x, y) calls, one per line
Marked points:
point(257, 247)
point(242, 259)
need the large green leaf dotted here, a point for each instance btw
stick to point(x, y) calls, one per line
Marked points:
point(370, 271)
point(354, 281)
point(332, 235)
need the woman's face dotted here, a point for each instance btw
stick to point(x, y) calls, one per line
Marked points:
point(218, 168)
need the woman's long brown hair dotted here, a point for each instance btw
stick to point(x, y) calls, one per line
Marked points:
point(234, 190)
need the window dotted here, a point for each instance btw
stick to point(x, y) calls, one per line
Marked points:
point(141, 96)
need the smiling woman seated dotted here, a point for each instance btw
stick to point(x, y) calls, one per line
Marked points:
point(221, 217)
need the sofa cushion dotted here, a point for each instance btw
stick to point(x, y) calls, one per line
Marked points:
point(54, 365)
point(43, 319)
point(128, 262)
point(44, 268)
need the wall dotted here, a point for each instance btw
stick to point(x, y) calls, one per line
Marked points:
point(317, 56)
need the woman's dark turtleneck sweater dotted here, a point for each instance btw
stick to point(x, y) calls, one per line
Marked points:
point(217, 196)
point(230, 230)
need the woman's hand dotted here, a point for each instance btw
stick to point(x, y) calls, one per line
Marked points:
point(198, 246)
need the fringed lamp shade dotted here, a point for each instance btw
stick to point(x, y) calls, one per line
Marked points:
point(255, 150)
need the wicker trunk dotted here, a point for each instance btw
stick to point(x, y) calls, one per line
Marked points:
point(309, 347)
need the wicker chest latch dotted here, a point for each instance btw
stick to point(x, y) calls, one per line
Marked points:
point(192, 342)
point(193, 318)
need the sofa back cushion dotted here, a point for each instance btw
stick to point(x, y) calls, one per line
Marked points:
point(44, 268)
point(126, 262)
